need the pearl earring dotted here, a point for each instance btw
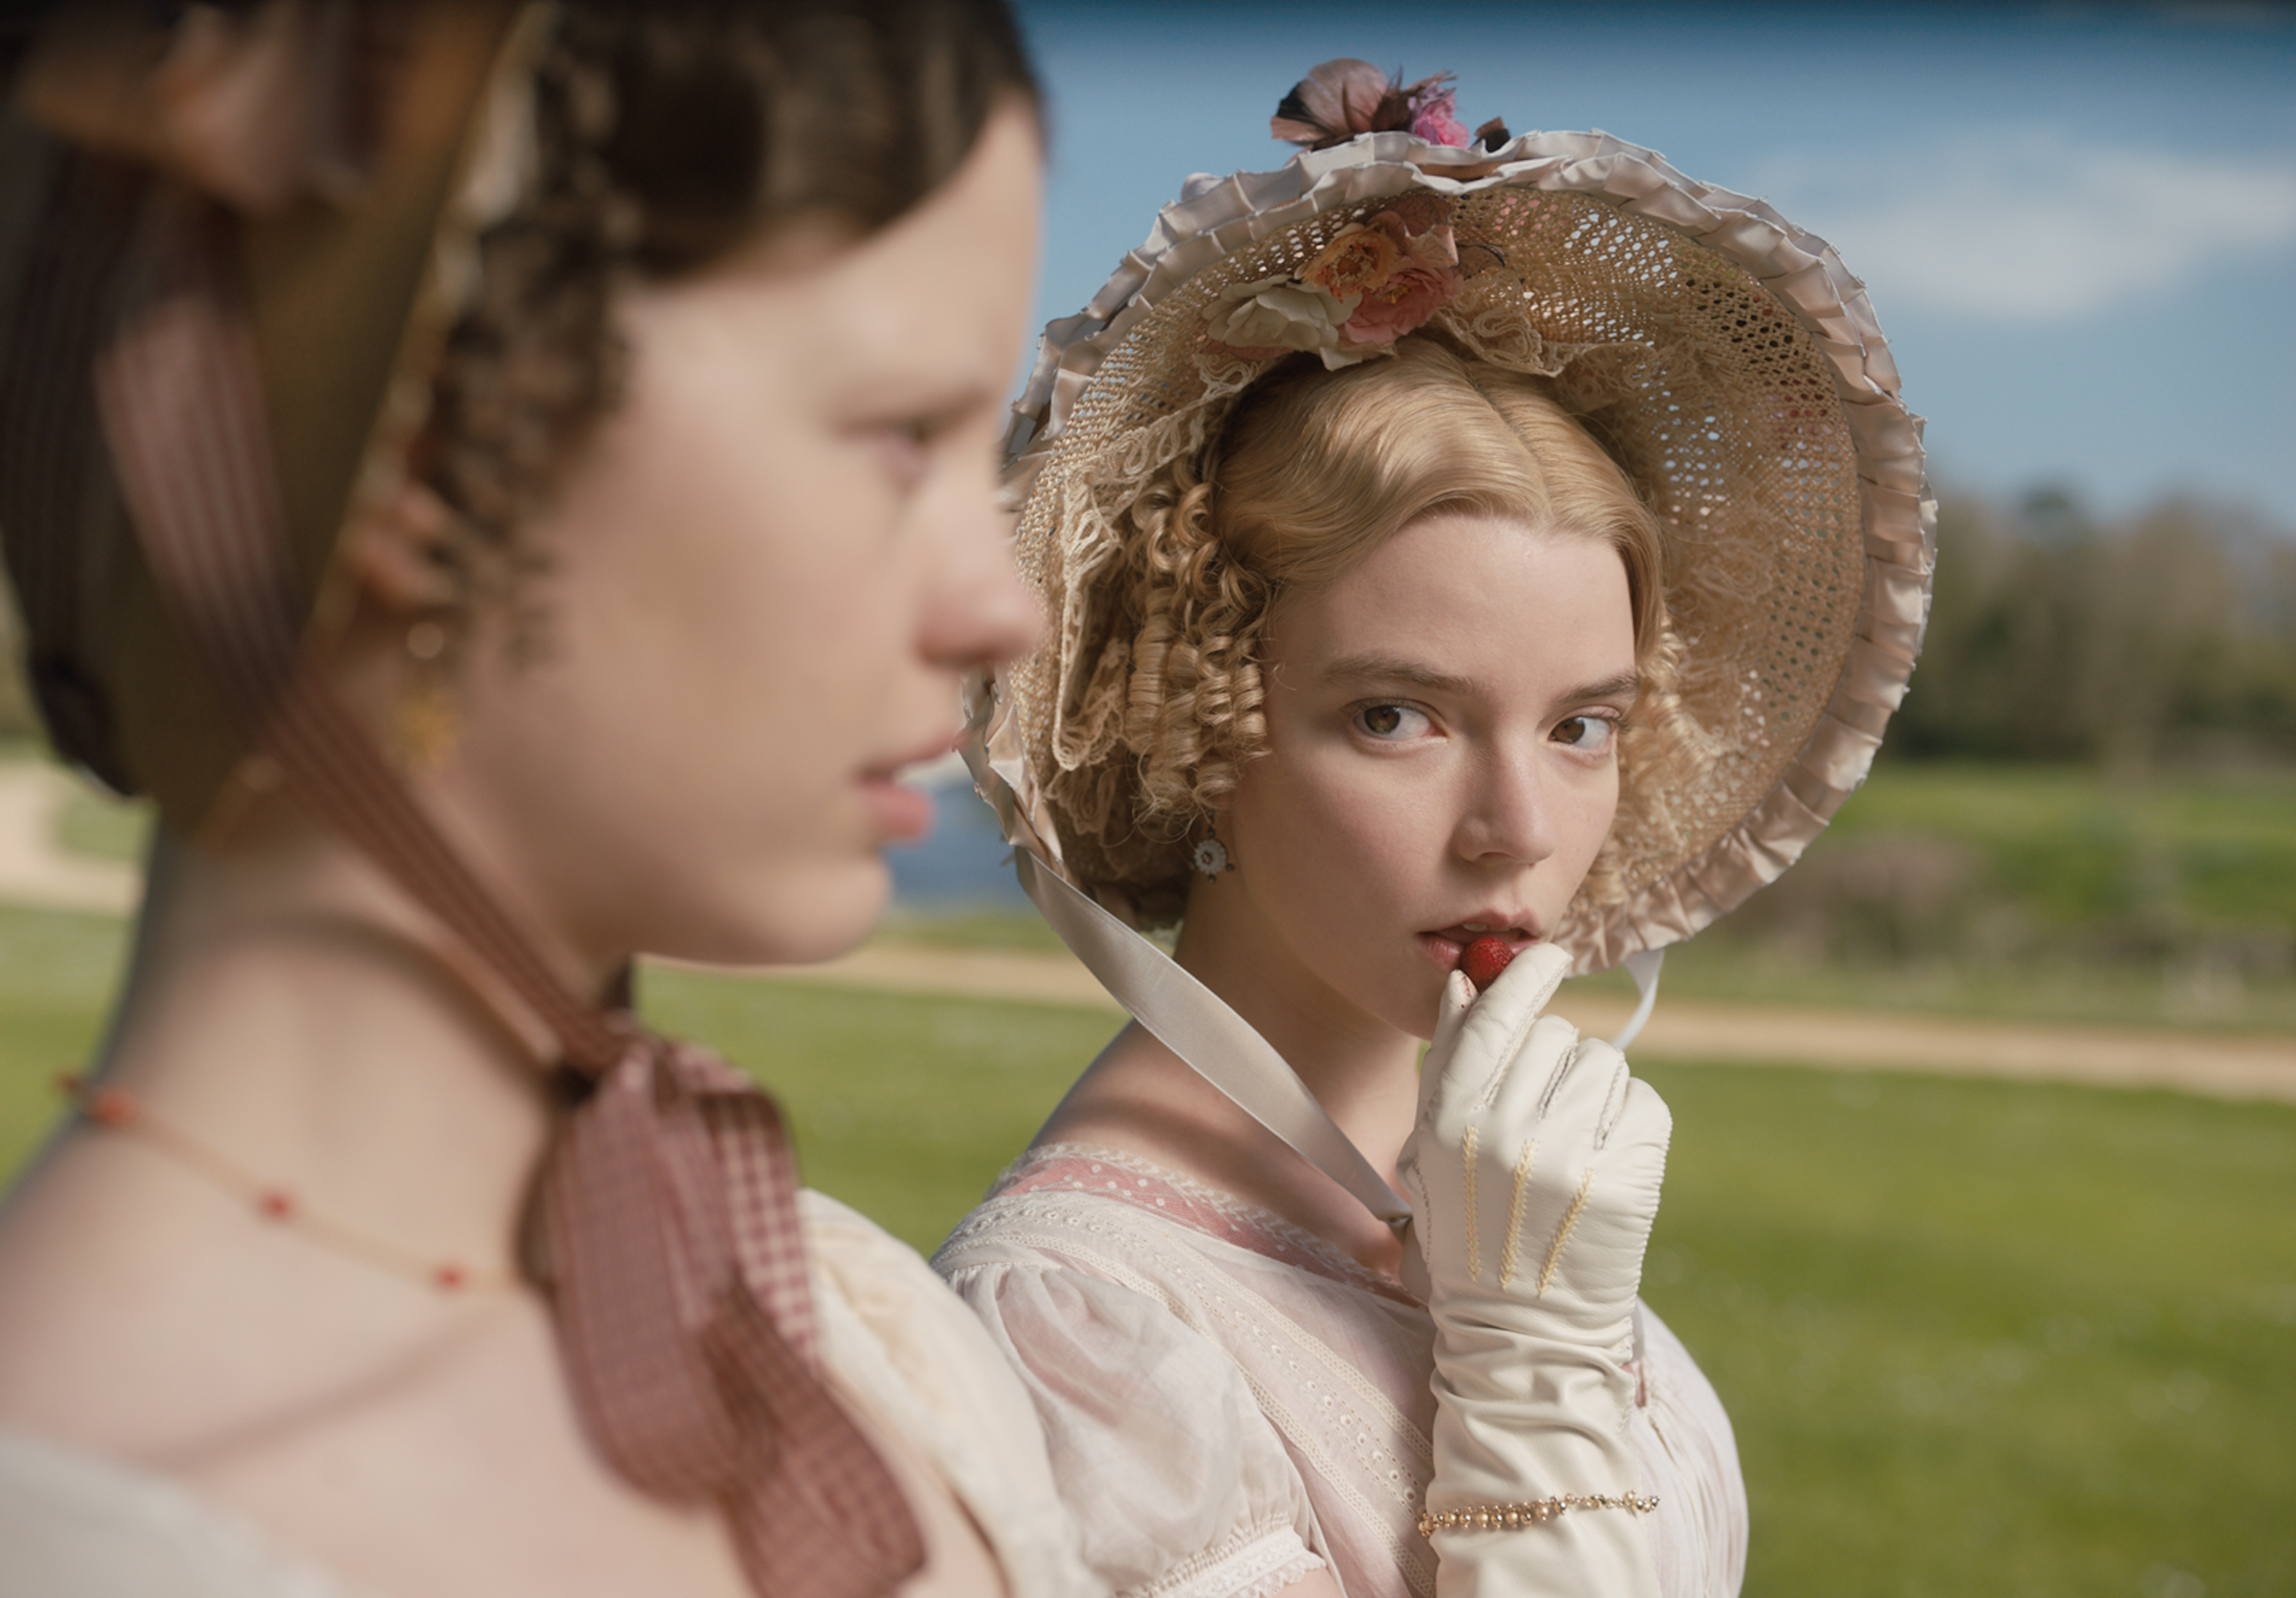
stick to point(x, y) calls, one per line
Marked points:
point(1211, 855)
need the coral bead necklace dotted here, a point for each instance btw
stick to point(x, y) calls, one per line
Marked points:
point(116, 1110)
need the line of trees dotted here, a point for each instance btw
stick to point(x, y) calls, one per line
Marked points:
point(2168, 635)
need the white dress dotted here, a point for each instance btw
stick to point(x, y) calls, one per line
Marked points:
point(1229, 1403)
point(75, 1526)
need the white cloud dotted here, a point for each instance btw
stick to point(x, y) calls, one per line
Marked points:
point(2026, 225)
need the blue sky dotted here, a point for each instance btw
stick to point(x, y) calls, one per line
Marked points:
point(2077, 222)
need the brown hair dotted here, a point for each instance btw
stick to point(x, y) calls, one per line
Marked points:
point(1314, 471)
point(669, 132)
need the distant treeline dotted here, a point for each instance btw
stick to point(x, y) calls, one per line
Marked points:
point(2168, 636)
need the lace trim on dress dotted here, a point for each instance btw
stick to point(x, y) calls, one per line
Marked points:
point(1256, 1563)
point(1217, 1214)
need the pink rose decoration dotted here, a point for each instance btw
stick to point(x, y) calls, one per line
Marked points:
point(1360, 257)
point(1402, 304)
point(1435, 119)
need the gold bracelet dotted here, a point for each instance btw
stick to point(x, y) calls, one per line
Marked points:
point(1514, 1516)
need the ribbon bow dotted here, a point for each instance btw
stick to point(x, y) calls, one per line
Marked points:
point(679, 1285)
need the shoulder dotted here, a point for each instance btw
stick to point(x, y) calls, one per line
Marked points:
point(1178, 1480)
point(893, 1335)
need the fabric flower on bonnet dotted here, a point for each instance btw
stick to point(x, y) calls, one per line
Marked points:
point(1374, 281)
point(1272, 314)
point(1343, 98)
point(1434, 116)
point(1402, 276)
point(1383, 274)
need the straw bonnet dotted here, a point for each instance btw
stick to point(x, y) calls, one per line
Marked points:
point(353, 233)
point(1727, 358)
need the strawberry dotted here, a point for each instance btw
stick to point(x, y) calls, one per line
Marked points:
point(1484, 959)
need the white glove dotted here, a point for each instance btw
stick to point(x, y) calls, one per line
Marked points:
point(1534, 1175)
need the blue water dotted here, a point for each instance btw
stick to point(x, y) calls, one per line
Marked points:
point(964, 864)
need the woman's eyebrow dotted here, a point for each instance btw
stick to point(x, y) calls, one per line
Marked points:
point(940, 399)
point(1623, 683)
point(1394, 668)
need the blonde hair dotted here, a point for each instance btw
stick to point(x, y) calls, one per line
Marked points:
point(1314, 471)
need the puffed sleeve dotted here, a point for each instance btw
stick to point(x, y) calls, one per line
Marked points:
point(1180, 1486)
point(892, 1334)
point(1690, 1462)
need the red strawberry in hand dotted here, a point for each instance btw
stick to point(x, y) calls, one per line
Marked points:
point(1484, 959)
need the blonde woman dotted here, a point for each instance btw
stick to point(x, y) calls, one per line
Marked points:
point(1470, 562)
point(512, 483)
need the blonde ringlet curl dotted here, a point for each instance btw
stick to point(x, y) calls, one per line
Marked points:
point(1193, 705)
point(1313, 471)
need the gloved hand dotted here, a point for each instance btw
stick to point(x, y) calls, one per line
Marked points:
point(1534, 1174)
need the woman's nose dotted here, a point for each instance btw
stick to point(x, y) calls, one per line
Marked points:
point(1509, 818)
point(979, 609)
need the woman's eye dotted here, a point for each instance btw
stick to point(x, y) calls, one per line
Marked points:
point(1589, 735)
point(904, 445)
point(1391, 722)
point(906, 449)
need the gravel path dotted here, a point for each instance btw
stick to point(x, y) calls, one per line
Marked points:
point(2229, 1067)
point(35, 870)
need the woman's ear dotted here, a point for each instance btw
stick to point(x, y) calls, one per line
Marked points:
point(399, 549)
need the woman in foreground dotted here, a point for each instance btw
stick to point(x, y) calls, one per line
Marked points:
point(1470, 563)
point(516, 492)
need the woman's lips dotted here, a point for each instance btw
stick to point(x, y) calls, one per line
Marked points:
point(900, 813)
point(1444, 946)
point(903, 811)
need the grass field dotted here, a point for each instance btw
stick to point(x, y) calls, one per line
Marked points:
point(56, 978)
point(1976, 1338)
point(2041, 893)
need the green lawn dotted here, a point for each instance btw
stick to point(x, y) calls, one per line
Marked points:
point(56, 978)
point(2040, 892)
point(1987, 1338)
point(1977, 1337)
point(2197, 850)
point(2036, 893)
point(104, 828)
point(905, 1106)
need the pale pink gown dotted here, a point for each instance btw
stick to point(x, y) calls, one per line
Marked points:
point(1230, 1403)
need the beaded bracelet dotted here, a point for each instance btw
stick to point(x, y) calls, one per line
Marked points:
point(1514, 1516)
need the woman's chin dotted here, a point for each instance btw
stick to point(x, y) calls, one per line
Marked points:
point(1417, 1005)
point(810, 917)
point(842, 915)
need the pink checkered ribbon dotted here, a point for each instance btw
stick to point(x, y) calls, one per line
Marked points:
point(676, 1265)
point(677, 1179)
